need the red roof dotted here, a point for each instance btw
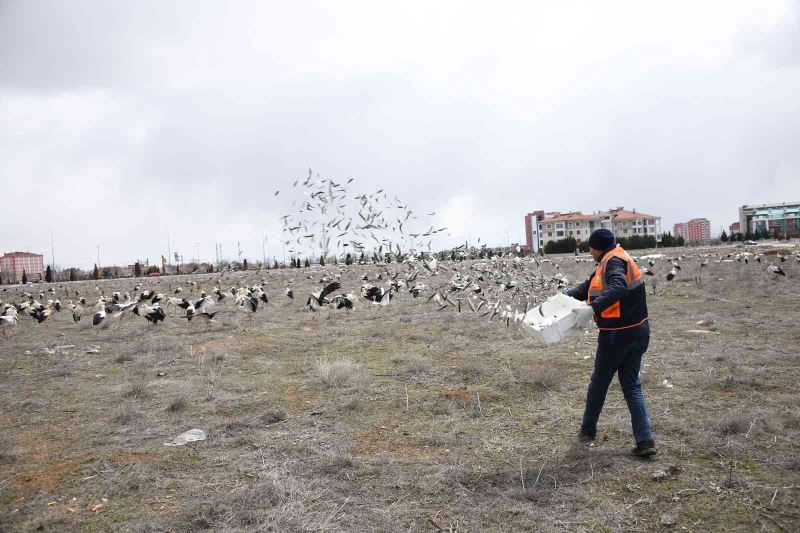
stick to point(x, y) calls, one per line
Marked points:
point(21, 254)
point(558, 217)
point(624, 214)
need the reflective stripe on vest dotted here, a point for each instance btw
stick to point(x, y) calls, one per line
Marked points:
point(598, 283)
point(634, 276)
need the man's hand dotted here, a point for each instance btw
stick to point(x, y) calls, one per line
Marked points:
point(582, 315)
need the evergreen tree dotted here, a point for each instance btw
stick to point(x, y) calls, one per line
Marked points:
point(562, 246)
point(322, 260)
point(210, 269)
point(275, 263)
point(24, 277)
point(307, 263)
point(72, 276)
point(724, 236)
point(48, 275)
point(348, 259)
point(177, 270)
point(245, 266)
point(96, 273)
point(137, 269)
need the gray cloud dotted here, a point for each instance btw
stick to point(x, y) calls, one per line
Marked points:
point(118, 119)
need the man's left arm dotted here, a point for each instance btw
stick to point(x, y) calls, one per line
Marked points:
point(616, 285)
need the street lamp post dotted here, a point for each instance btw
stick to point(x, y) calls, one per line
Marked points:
point(52, 255)
point(169, 248)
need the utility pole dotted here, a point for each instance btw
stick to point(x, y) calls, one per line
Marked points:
point(197, 250)
point(216, 251)
point(98, 256)
point(264, 250)
point(238, 246)
point(169, 248)
point(52, 255)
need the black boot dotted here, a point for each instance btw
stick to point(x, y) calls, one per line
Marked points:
point(646, 448)
point(583, 436)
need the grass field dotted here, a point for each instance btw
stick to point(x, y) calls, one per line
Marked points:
point(403, 418)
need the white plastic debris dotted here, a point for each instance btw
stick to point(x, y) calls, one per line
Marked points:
point(552, 321)
point(193, 435)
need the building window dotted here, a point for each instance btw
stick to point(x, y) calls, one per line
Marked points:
point(559, 225)
point(569, 224)
point(560, 233)
point(549, 233)
point(570, 232)
point(577, 232)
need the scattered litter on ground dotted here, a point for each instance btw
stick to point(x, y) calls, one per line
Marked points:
point(192, 435)
point(663, 473)
point(667, 521)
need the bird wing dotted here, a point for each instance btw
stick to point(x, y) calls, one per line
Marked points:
point(329, 289)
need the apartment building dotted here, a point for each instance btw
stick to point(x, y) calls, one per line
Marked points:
point(541, 226)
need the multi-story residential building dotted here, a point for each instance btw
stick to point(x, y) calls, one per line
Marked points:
point(541, 227)
point(14, 263)
point(697, 230)
point(781, 216)
point(734, 228)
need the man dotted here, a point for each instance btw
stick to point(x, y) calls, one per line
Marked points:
point(615, 293)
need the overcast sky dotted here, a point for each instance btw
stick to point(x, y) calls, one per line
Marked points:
point(118, 120)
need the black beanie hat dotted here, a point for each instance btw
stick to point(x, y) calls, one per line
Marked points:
point(601, 239)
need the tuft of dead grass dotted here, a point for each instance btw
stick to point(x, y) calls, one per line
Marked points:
point(338, 373)
point(178, 403)
point(138, 387)
point(732, 423)
point(124, 357)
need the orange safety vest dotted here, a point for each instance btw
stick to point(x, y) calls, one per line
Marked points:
point(631, 310)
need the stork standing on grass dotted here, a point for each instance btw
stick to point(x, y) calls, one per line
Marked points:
point(778, 271)
point(8, 320)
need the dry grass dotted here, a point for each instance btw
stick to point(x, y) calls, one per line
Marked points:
point(178, 403)
point(338, 373)
point(403, 419)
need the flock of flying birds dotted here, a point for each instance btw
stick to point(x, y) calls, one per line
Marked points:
point(331, 221)
point(373, 239)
